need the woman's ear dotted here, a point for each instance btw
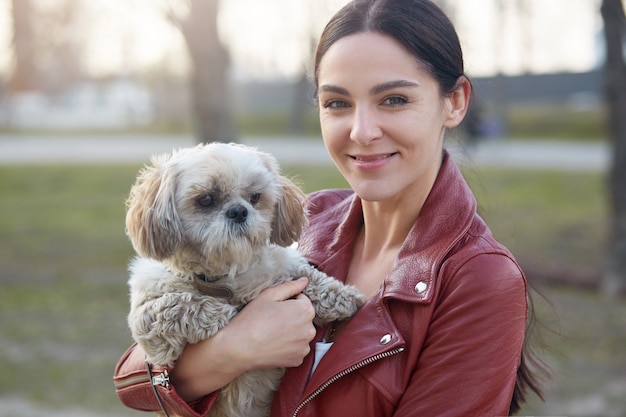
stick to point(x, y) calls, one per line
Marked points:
point(458, 102)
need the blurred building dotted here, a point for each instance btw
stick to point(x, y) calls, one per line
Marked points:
point(563, 88)
point(115, 103)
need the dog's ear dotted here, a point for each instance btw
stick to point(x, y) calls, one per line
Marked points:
point(290, 217)
point(152, 222)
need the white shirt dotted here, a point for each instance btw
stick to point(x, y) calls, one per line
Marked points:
point(321, 348)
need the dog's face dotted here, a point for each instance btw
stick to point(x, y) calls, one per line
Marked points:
point(212, 205)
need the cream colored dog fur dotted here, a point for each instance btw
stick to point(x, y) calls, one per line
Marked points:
point(217, 215)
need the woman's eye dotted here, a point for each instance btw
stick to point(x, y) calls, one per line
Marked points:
point(335, 104)
point(254, 198)
point(205, 201)
point(395, 101)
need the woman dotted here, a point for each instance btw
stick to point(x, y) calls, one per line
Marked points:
point(443, 328)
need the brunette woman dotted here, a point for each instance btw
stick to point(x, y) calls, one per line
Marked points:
point(443, 329)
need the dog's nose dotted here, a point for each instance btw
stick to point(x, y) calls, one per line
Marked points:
point(237, 213)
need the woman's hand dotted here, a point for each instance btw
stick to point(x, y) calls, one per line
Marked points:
point(278, 326)
point(273, 330)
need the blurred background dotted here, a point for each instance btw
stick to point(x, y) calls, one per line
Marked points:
point(90, 89)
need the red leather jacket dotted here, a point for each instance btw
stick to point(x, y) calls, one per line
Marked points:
point(443, 336)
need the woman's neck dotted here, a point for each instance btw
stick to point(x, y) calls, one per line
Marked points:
point(377, 245)
point(387, 224)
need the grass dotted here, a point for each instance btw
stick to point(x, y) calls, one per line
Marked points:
point(63, 254)
point(586, 349)
point(63, 299)
point(547, 218)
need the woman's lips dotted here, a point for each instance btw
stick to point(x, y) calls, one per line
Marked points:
point(372, 162)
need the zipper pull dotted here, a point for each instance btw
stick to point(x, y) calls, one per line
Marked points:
point(163, 379)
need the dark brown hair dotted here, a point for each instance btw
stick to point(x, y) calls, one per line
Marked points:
point(427, 33)
point(420, 26)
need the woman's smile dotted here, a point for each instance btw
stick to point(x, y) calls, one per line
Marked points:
point(372, 162)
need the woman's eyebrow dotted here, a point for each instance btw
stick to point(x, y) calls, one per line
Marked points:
point(377, 89)
point(334, 89)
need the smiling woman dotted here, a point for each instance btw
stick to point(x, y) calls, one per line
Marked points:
point(394, 97)
point(443, 329)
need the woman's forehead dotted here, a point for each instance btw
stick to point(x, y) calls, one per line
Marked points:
point(369, 57)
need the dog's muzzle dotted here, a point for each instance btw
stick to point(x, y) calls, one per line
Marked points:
point(238, 213)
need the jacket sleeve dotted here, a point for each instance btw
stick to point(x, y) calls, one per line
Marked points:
point(134, 388)
point(468, 365)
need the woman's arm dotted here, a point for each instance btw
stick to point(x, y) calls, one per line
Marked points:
point(274, 330)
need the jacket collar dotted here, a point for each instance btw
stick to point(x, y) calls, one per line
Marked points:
point(445, 217)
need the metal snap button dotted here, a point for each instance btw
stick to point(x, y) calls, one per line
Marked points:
point(385, 339)
point(421, 287)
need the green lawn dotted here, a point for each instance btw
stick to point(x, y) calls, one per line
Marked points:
point(63, 254)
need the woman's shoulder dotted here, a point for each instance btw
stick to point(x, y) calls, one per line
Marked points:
point(485, 259)
point(327, 212)
point(322, 200)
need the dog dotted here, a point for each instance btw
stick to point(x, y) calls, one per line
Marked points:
point(212, 226)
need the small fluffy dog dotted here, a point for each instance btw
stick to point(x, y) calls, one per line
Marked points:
point(212, 225)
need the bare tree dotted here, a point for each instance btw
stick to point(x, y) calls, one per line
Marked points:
point(615, 92)
point(24, 76)
point(303, 98)
point(209, 81)
point(47, 52)
point(60, 50)
point(524, 13)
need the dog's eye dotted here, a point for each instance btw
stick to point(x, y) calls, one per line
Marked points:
point(205, 201)
point(254, 198)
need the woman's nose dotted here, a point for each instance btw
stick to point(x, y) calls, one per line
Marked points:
point(365, 126)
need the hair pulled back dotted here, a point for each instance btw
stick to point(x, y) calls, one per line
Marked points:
point(419, 25)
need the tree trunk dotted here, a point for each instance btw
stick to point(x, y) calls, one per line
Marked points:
point(210, 86)
point(615, 92)
point(24, 76)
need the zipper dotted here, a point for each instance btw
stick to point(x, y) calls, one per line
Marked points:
point(344, 373)
point(163, 379)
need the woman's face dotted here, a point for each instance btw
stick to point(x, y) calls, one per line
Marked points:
point(382, 117)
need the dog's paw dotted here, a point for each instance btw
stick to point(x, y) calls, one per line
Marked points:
point(334, 302)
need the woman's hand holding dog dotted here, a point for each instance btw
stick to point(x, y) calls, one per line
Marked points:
point(274, 330)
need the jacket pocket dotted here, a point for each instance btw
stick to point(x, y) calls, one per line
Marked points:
point(133, 383)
